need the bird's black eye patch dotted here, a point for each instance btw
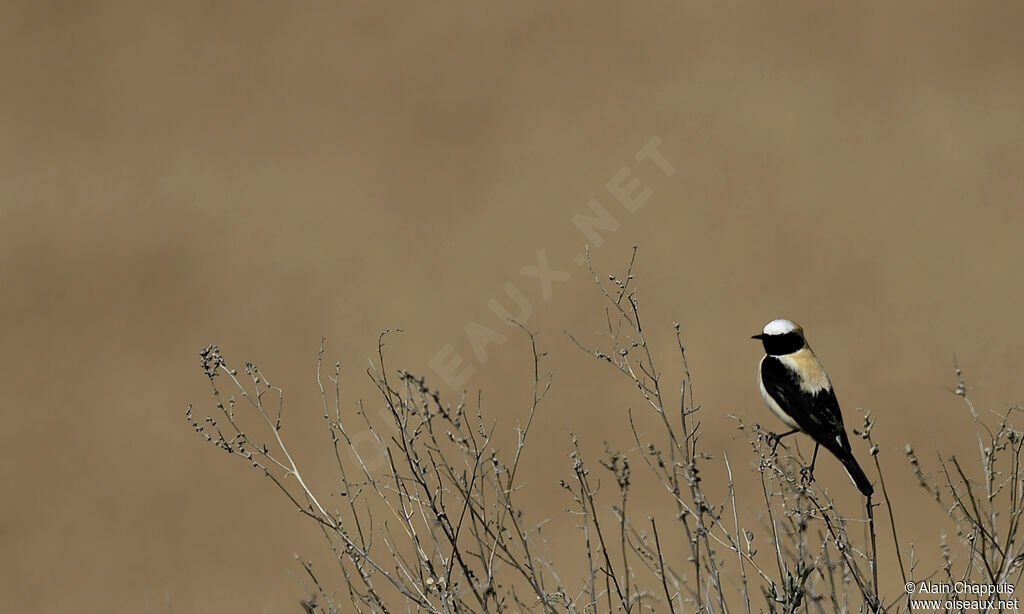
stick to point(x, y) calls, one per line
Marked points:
point(778, 345)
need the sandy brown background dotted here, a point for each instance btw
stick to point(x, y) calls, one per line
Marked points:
point(260, 175)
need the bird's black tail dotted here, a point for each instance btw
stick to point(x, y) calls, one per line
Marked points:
point(860, 480)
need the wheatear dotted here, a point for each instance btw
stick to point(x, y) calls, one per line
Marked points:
point(797, 389)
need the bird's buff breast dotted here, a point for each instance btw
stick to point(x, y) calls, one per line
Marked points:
point(814, 379)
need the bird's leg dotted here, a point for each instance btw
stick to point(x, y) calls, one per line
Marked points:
point(774, 440)
point(808, 472)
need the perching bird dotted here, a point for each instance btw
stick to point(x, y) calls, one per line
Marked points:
point(797, 389)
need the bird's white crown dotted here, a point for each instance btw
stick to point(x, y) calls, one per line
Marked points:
point(782, 326)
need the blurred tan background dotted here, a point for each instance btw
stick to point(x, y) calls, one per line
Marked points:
point(259, 175)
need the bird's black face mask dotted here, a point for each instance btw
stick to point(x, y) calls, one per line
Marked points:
point(779, 345)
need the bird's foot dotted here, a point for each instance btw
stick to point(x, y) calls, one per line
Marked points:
point(774, 439)
point(807, 474)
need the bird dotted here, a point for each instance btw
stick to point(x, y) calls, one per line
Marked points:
point(797, 389)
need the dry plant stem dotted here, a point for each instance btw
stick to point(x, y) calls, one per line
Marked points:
point(775, 532)
point(736, 532)
point(611, 579)
point(275, 426)
point(834, 525)
point(622, 546)
point(993, 551)
point(509, 487)
point(661, 566)
point(420, 478)
point(416, 465)
point(838, 533)
point(584, 512)
point(873, 561)
point(308, 567)
point(831, 578)
point(892, 523)
point(645, 376)
point(240, 444)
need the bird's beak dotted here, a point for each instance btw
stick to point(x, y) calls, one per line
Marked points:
point(761, 336)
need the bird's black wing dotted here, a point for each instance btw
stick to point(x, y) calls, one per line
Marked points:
point(817, 414)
